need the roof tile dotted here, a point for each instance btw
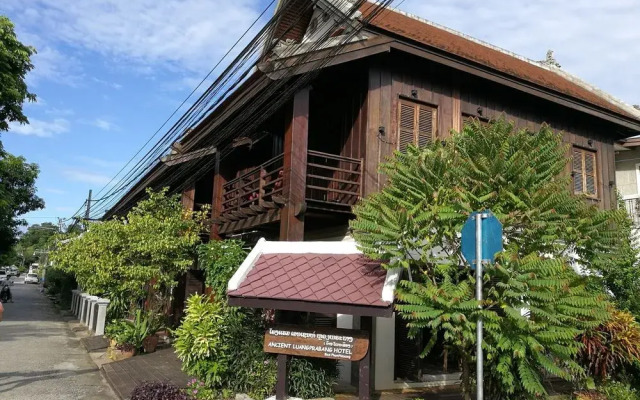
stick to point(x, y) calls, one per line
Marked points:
point(331, 278)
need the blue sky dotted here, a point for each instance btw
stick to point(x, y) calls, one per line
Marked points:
point(109, 72)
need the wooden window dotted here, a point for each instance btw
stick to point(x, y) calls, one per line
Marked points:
point(416, 124)
point(584, 171)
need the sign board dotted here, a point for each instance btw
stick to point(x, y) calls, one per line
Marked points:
point(491, 237)
point(332, 343)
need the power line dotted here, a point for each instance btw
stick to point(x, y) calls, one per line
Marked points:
point(190, 94)
point(259, 106)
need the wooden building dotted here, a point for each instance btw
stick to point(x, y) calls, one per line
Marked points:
point(399, 80)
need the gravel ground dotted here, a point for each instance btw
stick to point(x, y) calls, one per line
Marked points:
point(40, 358)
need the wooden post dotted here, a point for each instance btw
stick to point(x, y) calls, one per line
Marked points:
point(295, 168)
point(188, 198)
point(282, 389)
point(216, 206)
point(364, 366)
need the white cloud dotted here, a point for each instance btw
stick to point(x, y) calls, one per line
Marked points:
point(178, 34)
point(597, 41)
point(103, 124)
point(40, 128)
point(59, 112)
point(86, 177)
point(112, 85)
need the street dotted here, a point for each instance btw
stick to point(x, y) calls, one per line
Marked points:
point(40, 358)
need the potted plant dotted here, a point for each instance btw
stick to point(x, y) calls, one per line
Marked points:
point(154, 324)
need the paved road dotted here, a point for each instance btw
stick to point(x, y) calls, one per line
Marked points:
point(40, 358)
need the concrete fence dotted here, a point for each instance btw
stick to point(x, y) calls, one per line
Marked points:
point(90, 310)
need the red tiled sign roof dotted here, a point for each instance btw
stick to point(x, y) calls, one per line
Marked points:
point(328, 278)
point(442, 39)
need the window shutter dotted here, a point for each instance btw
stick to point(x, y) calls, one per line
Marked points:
point(407, 123)
point(577, 171)
point(585, 172)
point(590, 173)
point(416, 124)
point(426, 122)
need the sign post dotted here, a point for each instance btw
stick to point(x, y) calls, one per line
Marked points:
point(481, 240)
point(331, 343)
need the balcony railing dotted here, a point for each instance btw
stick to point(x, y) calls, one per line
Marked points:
point(254, 191)
point(633, 208)
point(333, 183)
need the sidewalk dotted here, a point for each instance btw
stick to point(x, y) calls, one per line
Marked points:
point(163, 365)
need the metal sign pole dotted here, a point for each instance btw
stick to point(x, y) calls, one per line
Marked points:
point(479, 366)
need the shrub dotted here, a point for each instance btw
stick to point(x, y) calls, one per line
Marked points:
point(618, 391)
point(312, 377)
point(222, 347)
point(60, 284)
point(158, 391)
point(611, 345)
point(200, 343)
point(220, 259)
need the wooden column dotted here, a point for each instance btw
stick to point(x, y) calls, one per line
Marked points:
point(282, 389)
point(216, 204)
point(295, 168)
point(364, 366)
point(188, 197)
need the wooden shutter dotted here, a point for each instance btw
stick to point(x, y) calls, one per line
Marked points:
point(584, 168)
point(407, 124)
point(590, 173)
point(416, 124)
point(426, 125)
point(578, 179)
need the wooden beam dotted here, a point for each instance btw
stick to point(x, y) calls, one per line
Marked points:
point(312, 306)
point(176, 159)
point(364, 366)
point(188, 197)
point(250, 222)
point(282, 392)
point(295, 167)
point(216, 206)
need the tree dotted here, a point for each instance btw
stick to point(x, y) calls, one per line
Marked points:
point(17, 177)
point(15, 63)
point(123, 258)
point(17, 195)
point(535, 303)
point(37, 237)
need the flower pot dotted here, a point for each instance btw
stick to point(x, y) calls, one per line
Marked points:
point(150, 343)
point(128, 353)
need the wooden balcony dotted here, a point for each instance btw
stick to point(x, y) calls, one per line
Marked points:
point(333, 184)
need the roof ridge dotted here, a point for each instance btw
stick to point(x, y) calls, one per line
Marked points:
point(558, 71)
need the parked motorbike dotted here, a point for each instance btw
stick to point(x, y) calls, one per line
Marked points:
point(5, 293)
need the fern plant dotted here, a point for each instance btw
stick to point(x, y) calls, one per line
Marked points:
point(535, 303)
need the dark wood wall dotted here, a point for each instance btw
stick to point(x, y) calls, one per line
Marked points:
point(394, 76)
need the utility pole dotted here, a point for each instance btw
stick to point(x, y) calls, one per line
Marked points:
point(88, 211)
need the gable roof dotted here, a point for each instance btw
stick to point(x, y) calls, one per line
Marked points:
point(449, 41)
point(332, 275)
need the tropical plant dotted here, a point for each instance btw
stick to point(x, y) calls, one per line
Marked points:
point(611, 346)
point(312, 377)
point(158, 391)
point(126, 258)
point(534, 303)
point(220, 259)
point(199, 341)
